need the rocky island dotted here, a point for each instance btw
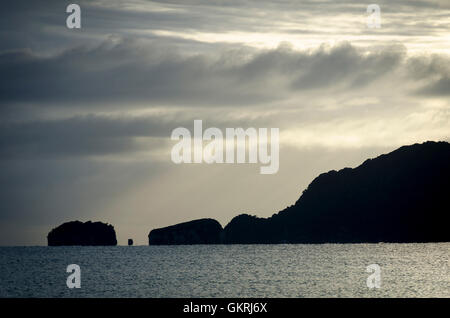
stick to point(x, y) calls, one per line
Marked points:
point(79, 233)
point(402, 196)
point(202, 231)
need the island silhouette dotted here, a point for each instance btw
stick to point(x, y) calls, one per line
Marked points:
point(402, 196)
point(79, 233)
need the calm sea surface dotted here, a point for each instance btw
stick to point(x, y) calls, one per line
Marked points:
point(329, 270)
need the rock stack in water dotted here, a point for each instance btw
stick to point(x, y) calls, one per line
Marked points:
point(202, 231)
point(79, 233)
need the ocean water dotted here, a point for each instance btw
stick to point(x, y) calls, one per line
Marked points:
point(325, 270)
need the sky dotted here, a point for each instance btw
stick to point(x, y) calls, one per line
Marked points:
point(87, 114)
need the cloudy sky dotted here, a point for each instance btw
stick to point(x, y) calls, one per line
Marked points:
point(87, 114)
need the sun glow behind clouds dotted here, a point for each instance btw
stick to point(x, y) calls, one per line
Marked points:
point(98, 106)
point(418, 30)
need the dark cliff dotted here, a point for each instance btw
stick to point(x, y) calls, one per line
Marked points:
point(79, 233)
point(402, 196)
point(203, 231)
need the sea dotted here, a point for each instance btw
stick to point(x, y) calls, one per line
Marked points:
point(281, 270)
